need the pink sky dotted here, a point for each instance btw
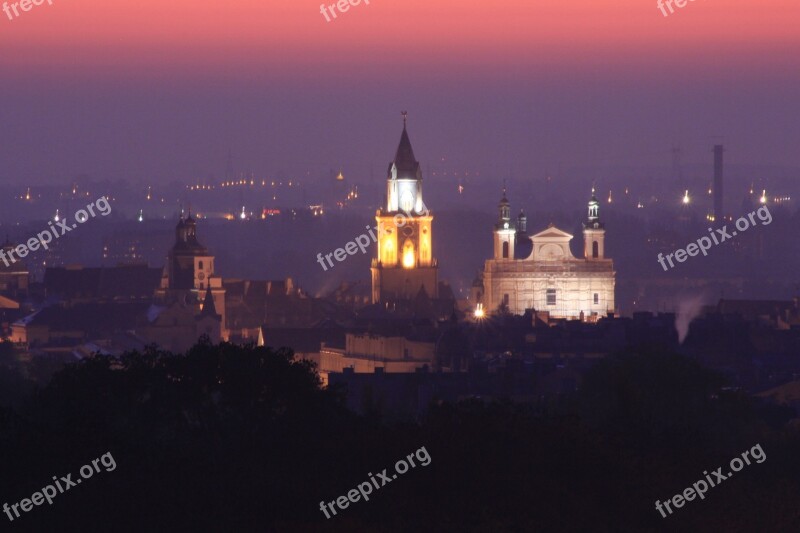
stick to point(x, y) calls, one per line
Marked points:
point(204, 34)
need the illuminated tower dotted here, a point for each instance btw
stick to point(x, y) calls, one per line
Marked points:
point(404, 264)
point(504, 231)
point(594, 233)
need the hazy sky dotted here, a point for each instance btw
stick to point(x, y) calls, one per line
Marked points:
point(152, 89)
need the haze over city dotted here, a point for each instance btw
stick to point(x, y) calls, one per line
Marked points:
point(519, 87)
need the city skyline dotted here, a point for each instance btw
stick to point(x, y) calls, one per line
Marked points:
point(252, 254)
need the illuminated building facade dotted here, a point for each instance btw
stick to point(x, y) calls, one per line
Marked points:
point(404, 265)
point(541, 273)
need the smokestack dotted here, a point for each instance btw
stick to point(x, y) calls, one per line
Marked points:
point(718, 151)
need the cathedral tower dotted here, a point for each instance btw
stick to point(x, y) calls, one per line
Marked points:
point(594, 233)
point(404, 264)
point(189, 273)
point(504, 231)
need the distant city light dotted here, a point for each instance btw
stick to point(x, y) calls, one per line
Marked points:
point(57, 217)
point(686, 197)
point(479, 312)
point(763, 198)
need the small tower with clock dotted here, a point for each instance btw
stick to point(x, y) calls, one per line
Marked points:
point(504, 232)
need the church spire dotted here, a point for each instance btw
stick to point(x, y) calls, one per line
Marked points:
point(209, 308)
point(505, 208)
point(593, 208)
point(405, 164)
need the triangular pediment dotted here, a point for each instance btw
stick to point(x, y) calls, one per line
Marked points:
point(552, 233)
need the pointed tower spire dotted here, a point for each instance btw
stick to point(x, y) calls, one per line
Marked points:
point(405, 163)
point(209, 308)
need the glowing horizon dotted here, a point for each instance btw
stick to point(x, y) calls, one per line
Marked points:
point(94, 34)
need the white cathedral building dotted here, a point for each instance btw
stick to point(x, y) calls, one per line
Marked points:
point(540, 272)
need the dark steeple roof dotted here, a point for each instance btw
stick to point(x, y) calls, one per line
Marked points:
point(407, 165)
point(186, 237)
point(209, 309)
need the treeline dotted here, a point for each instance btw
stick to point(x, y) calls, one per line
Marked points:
point(231, 438)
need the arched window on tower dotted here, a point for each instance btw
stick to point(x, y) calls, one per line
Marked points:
point(505, 250)
point(595, 250)
point(409, 261)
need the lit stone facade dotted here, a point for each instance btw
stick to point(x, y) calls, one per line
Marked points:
point(548, 278)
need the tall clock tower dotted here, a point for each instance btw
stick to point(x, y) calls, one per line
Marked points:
point(188, 277)
point(404, 264)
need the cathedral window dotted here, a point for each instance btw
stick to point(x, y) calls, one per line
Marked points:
point(596, 298)
point(505, 250)
point(551, 297)
point(408, 254)
point(595, 250)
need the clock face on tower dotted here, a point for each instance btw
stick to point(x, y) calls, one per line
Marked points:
point(201, 276)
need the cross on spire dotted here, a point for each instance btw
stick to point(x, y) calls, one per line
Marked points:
point(405, 118)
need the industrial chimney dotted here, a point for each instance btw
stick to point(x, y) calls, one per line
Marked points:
point(718, 151)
